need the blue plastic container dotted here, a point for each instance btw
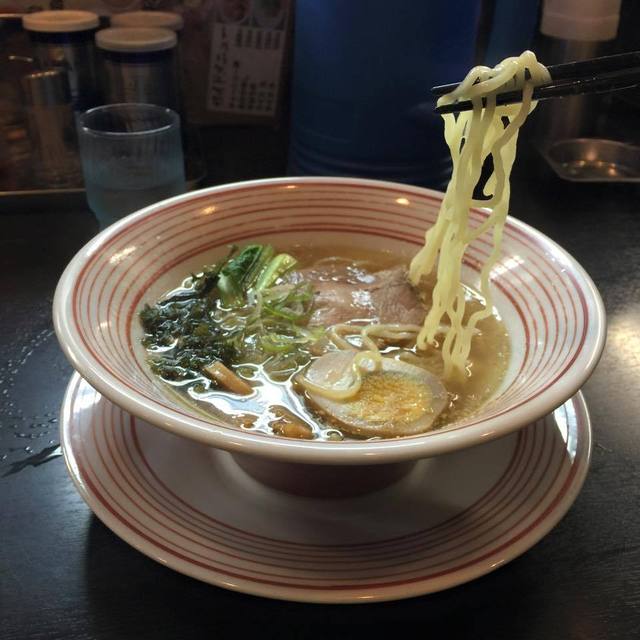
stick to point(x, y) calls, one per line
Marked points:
point(360, 90)
point(512, 30)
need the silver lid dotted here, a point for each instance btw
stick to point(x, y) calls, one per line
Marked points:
point(46, 88)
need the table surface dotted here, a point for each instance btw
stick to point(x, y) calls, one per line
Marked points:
point(63, 574)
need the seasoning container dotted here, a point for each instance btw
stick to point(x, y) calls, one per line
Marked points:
point(163, 20)
point(139, 65)
point(65, 39)
point(52, 130)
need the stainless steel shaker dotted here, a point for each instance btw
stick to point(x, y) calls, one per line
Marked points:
point(65, 39)
point(139, 65)
point(52, 129)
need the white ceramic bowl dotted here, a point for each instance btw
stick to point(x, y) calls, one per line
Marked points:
point(550, 305)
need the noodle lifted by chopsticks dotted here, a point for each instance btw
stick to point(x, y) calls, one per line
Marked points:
point(472, 136)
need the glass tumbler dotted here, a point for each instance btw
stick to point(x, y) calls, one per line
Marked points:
point(131, 157)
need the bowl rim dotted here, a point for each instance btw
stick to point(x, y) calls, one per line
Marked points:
point(310, 452)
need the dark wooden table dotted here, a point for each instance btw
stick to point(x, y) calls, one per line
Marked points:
point(65, 575)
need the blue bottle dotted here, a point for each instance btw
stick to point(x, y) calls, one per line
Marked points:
point(360, 89)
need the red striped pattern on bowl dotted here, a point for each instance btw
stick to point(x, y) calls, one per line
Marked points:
point(118, 465)
point(551, 307)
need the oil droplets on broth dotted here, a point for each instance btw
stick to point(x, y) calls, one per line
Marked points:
point(307, 320)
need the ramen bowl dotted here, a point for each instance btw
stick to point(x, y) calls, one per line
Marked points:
point(548, 303)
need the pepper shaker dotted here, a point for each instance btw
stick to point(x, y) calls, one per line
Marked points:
point(52, 128)
point(139, 65)
point(65, 39)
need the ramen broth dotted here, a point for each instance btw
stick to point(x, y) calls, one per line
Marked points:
point(279, 405)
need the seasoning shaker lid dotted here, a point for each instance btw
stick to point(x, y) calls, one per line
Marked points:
point(135, 40)
point(46, 88)
point(60, 21)
point(163, 19)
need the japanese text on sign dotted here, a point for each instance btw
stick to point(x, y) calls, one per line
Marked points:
point(245, 69)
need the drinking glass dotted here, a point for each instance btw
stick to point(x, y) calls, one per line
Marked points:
point(131, 157)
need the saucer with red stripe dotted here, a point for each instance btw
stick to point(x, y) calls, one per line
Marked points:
point(453, 518)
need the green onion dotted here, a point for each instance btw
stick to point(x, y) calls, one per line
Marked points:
point(280, 265)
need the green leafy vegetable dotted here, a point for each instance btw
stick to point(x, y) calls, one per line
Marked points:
point(239, 274)
point(235, 312)
point(279, 266)
point(183, 338)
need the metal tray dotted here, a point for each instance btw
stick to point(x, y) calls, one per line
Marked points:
point(594, 160)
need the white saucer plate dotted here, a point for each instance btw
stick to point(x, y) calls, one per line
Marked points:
point(453, 518)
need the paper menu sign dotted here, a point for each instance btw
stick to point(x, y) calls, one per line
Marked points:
point(244, 71)
point(248, 43)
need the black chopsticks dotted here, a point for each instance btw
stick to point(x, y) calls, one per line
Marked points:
point(598, 75)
